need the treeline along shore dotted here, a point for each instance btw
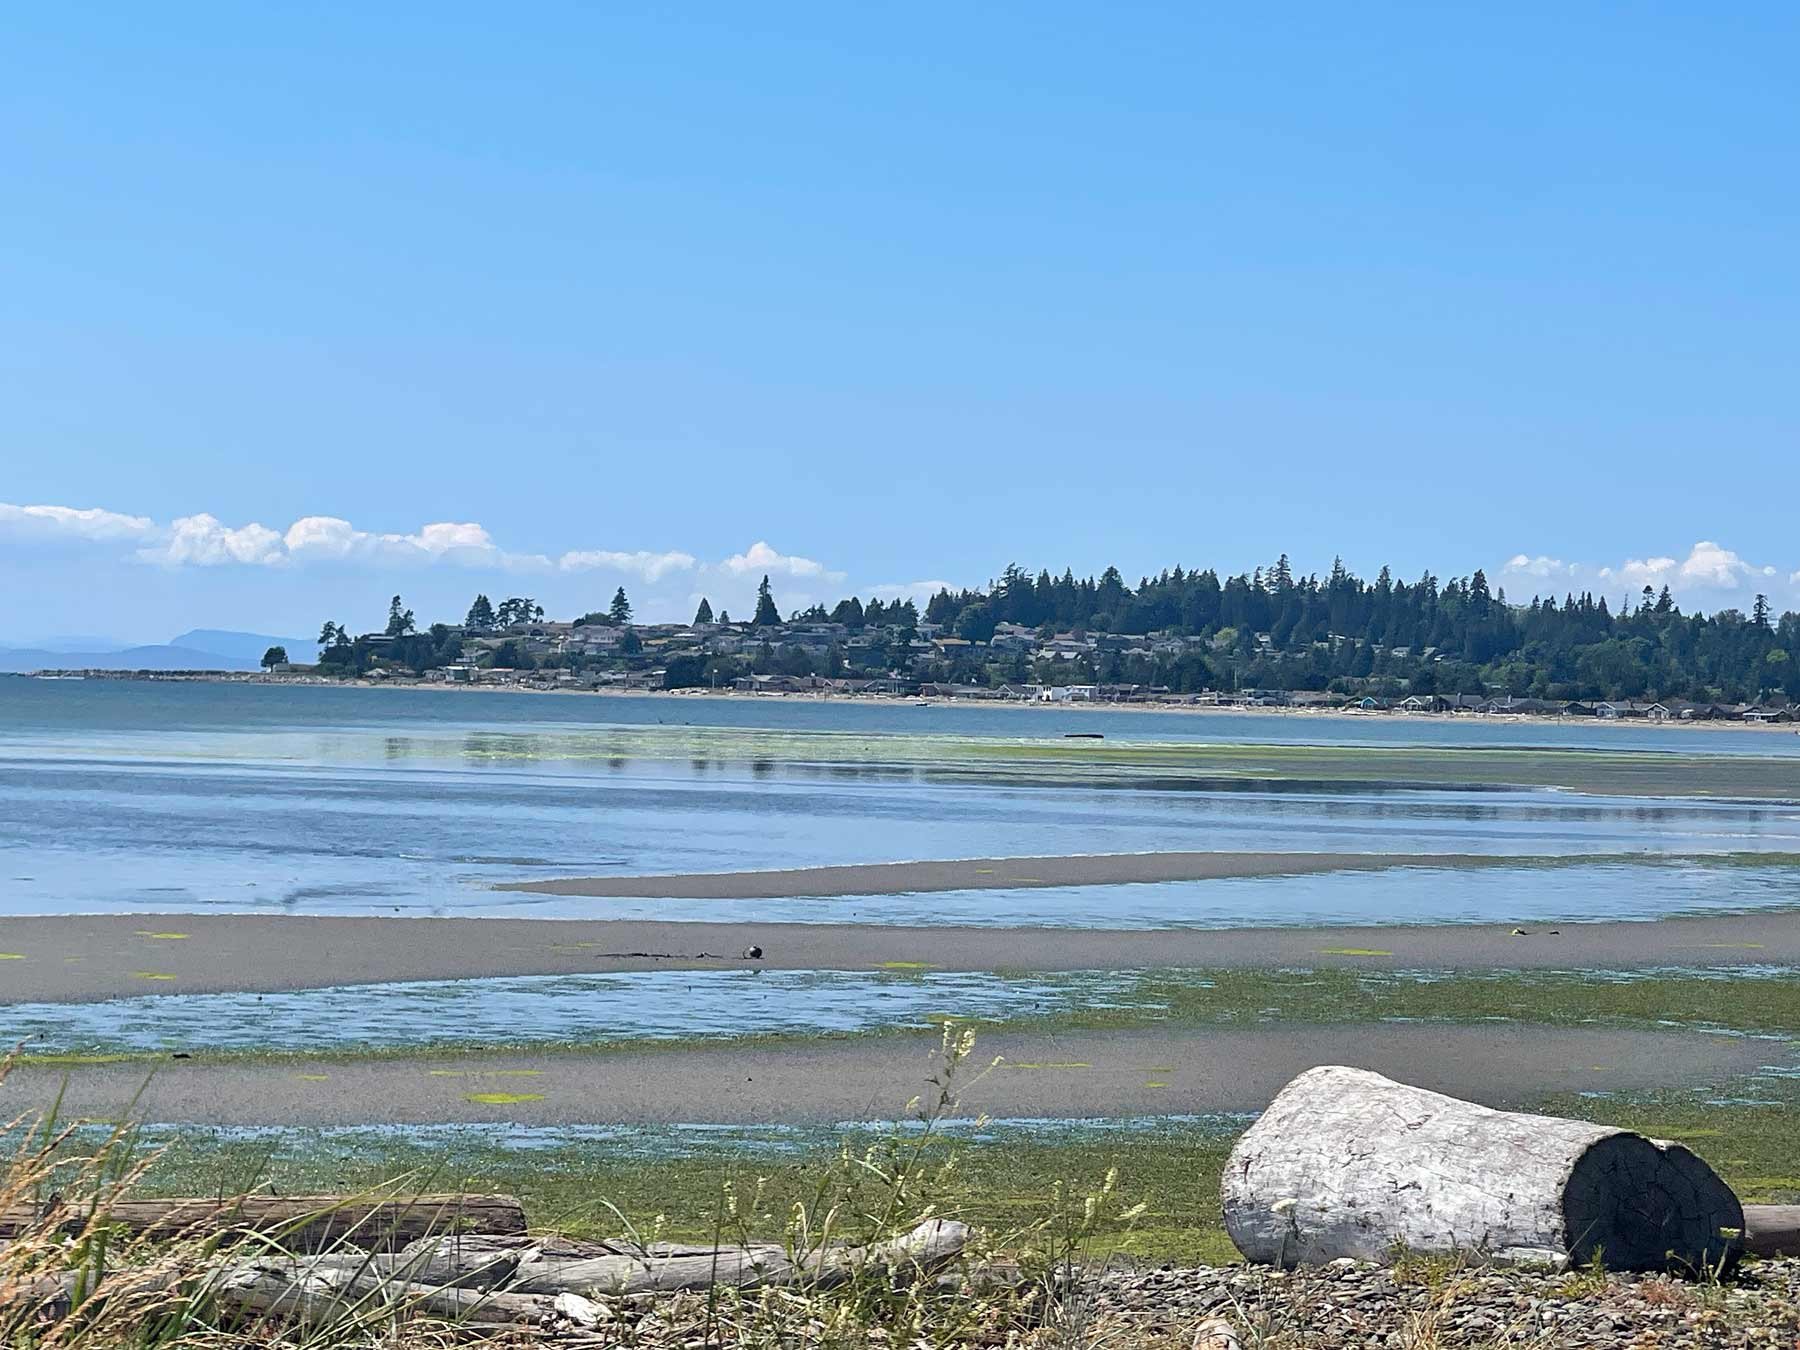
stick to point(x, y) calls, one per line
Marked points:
point(1266, 638)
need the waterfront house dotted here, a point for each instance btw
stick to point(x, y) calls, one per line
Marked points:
point(1523, 707)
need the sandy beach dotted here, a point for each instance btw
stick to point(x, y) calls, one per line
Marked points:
point(968, 874)
point(73, 958)
point(1068, 1075)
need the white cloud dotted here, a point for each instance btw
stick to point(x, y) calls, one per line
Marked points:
point(652, 567)
point(322, 537)
point(464, 542)
point(72, 522)
point(759, 560)
point(1706, 566)
point(447, 536)
point(206, 541)
point(1540, 566)
point(1709, 565)
point(203, 540)
point(917, 591)
point(1710, 577)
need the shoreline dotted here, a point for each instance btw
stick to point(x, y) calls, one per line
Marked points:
point(910, 700)
point(79, 958)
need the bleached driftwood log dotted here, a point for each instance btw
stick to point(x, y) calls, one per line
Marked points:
point(302, 1220)
point(330, 1289)
point(931, 1244)
point(495, 1280)
point(1348, 1163)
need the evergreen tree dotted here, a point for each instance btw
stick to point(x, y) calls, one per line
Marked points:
point(328, 635)
point(519, 609)
point(400, 619)
point(481, 615)
point(620, 609)
point(275, 656)
point(767, 616)
point(704, 613)
point(724, 616)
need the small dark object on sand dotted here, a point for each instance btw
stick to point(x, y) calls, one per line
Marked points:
point(753, 953)
point(1084, 735)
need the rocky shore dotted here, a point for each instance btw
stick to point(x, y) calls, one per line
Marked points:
point(1422, 1304)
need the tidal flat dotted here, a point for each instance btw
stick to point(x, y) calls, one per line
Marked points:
point(1003, 1173)
point(341, 850)
point(640, 1010)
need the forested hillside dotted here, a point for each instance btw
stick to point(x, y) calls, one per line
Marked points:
point(1271, 628)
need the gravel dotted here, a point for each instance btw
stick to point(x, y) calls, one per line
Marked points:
point(1422, 1305)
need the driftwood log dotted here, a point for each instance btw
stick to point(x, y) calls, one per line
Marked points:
point(619, 1269)
point(303, 1221)
point(481, 1281)
point(1772, 1230)
point(1348, 1163)
point(330, 1290)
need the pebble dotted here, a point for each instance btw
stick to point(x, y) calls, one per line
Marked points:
point(1349, 1304)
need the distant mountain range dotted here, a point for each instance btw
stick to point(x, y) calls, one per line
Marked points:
point(197, 649)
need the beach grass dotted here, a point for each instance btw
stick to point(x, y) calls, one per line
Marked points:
point(1001, 1178)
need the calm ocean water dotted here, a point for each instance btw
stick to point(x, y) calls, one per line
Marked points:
point(121, 796)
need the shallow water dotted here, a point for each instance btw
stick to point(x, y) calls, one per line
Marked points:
point(48, 712)
point(144, 797)
point(632, 1006)
point(449, 1143)
point(545, 1009)
point(1574, 892)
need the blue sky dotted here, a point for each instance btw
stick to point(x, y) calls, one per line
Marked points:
point(544, 300)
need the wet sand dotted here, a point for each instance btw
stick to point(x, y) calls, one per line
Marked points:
point(972, 874)
point(66, 958)
point(1043, 1076)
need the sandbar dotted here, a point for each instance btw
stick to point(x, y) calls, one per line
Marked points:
point(969, 874)
point(81, 957)
point(1067, 1075)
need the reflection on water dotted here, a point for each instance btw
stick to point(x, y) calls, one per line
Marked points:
point(1569, 893)
point(120, 796)
point(80, 836)
point(42, 712)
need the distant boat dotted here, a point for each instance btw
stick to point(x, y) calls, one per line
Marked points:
point(59, 677)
